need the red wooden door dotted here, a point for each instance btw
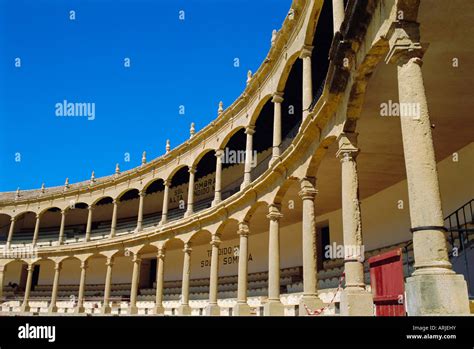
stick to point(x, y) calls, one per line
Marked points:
point(387, 282)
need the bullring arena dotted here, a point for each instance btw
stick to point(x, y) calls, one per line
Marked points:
point(352, 139)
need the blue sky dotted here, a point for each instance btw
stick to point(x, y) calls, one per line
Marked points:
point(172, 63)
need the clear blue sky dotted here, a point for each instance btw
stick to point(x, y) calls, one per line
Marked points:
point(173, 63)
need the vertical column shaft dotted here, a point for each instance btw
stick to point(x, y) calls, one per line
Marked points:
point(61, 227)
point(186, 274)
point(217, 190)
point(113, 225)
point(160, 266)
point(249, 131)
point(54, 294)
point(89, 222)
point(26, 298)
point(10, 231)
point(82, 288)
point(164, 212)
point(108, 280)
point(214, 276)
point(36, 232)
point(307, 79)
point(190, 204)
point(338, 14)
point(135, 279)
point(140, 210)
point(277, 100)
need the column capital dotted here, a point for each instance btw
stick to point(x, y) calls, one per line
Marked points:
point(306, 51)
point(347, 146)
point(57, 266)
point(109, 262)
point(219, 153)
point(277, 97)
point(243, 229)
point(161, 253)
point(404, 43)
point(216, 240)
point(308, 190)
point(115, 201)
point(136, 258)
point(142, 193)
point(187, 248)
point(91, 207)
point(192, 169)
point(167, 183)
point(13, 219)
point(274, 212)
point(30, 266)
point(250, 130)
point(64, 211)
point(38, 216)
point(84, 264)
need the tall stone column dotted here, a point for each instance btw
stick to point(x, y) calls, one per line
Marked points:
point(10, 231)
point(242, 308)
point(249, 131)
point(160, 272)
point(217, 190)
point(190, 204)
point(136, 260)
point(274, 307)
point(82, 288)
point(337, 14)
point(277, 100)
point(307, 79)
point(213, 309)
point(355, 300)
point(113, 225)
point(90, 209)
point(184, 308)
point(36, 232)
point(25, 307)
point(54, 294)
point(141, 195)
point(61, 227)
point(164, 211)
point(2, 278)
point(310, 281)
point(106, 309)
point(433, 288)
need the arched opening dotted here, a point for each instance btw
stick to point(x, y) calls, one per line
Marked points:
point(4, 226)
point(173, 273)
point(76, 221)
point(178, 194)
point(233, 160)
point(49, 226)
point(262, 140)
point(23, 228)
point(127, 211)
point(292, 105)
point(204, 182)
point(153, 203)
point(101, 218)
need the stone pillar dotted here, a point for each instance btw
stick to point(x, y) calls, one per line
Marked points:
point(106, 309)
point(190, 210)
point(277, 100)
point(54, 294)
point(36, 232)
point(307, 79)
point(310, 281)
point(113, 225)
point(249, 131)
point(355, 300)
point(132, 309)
point(82, 288)
point(2, 277)
point(160, 272)
point(337, 14)
point(141, 195)
point(217, 190)
point(274, 307)
point(61, 227)
point(213, 309)
point(434, 288)
point(89, 222)
point(25, 307)
point(164, 212)
point(242, 308)
point(10, 231)
point(184, 308)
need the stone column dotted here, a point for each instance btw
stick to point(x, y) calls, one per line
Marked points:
point(160, 272)
point(2, 277)
point(189, 210)
point(82, 288)
point(164, 212)
point(106, 309)
point(54, 294)
point(141, 195)
point(277, 100)
point(337, 14)
point(355, 300)
point(89, 222)
point(25, 307)
point(310, 281)
point(113, 225)
point(249, 131)
point(213, 309)
point(36, 232)
point(61, 227)
point(217, 190)
point(433, 288)
point(10, 231)
point(274, 307)
point(307, 79)
point(132, 309)
point(184, 308)
point(242, 308)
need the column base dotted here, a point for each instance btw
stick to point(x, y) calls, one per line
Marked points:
point(272, 160)
point(241, 309)
point(132, 310)
point(184, 309)
point(79, 309)
point(213, 310)
point(188, 213)
point(25, 308)
point(437, 294)
point(312, 302)
point(52, 309)
point(244, 185)
point(215, 202)
point(106, 309)
point(159, 310)
point(273, 308)
point(356, 302)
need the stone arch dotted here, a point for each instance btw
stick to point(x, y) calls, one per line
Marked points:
point(229, 135)
point(258, 108)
